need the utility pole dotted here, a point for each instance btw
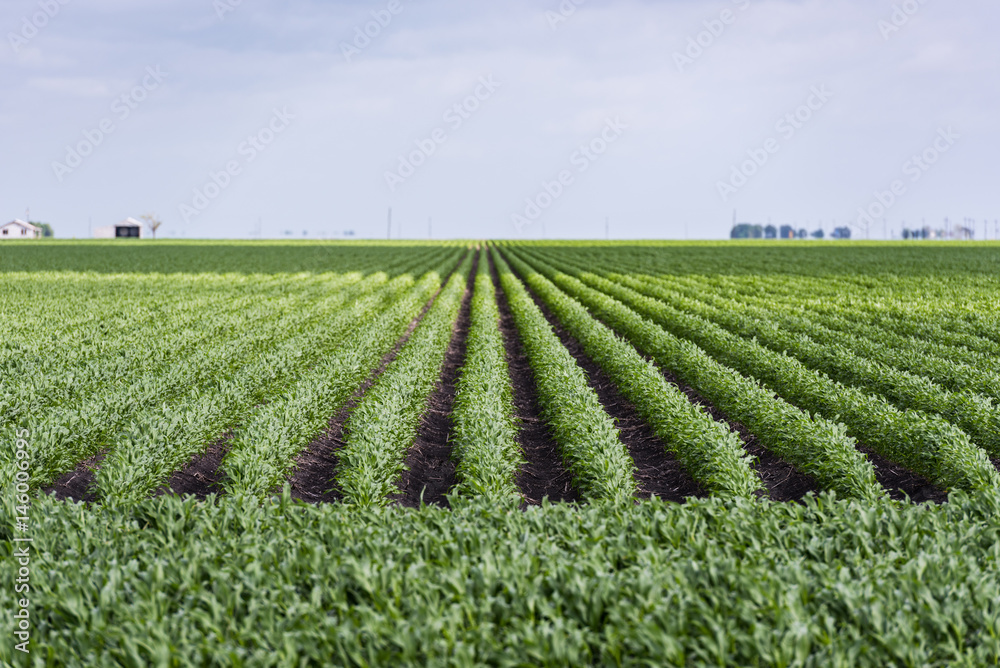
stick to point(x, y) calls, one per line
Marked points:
point(388, 231)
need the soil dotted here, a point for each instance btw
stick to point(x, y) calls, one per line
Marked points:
point(900, 482)
point(785, 483)
point(313, 478)
point(543, 475)
point(77, 485)
point(203, 475)
point(657, 470)
point(430, 469)
point(782, 480)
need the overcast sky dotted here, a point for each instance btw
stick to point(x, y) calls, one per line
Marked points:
point(500, 119)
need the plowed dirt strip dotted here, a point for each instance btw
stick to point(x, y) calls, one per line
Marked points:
point(78, 484)
point(430, 469)
point(783, 481)
point(313, 480)
point(900, 482)
point(202, 476)
point(544, 474)
point(657, 470)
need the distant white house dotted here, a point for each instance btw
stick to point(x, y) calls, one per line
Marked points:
point(130, 228)
point(18, 229)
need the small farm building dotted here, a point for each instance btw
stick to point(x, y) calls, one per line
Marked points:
point(18, 229)
point(130, 228)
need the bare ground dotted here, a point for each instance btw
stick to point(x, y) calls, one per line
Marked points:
point(543, 475)
point(430, 469)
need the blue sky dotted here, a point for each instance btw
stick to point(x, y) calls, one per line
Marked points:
point(231, 118)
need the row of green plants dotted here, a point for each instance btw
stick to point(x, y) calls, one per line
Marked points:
point(129, 326)
point(973, 413)
point(925, 443)
point(956, 368)
point(966, 303)
point(112, 397)
point(866, 307)
point(68, 433)
point(816, 446)
point(486, 452)
point(586, 435)
point(707, 449)
point(953, 284)
point(384, 424)
point(952, 375)
point(929, 306)
point(264, 449)
point(148, 451)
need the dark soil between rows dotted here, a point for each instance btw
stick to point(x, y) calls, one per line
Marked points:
point(657, 470)
point(996, 463)
point(430, 469)
point(543, 475)
point(900, 482)
point(313, 478)
point(203, 475)
point(77, 485)
point(783, 481)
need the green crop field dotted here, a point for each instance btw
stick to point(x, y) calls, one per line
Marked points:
point(509, 453)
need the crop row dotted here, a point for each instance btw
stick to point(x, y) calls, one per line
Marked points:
point(903, 292)
point(973, 413)
point(384, 425)
point(899, 304)
point(485, 434)
point(68, 433)
point(814, 445)
point(148, 452)
point(955, 367)
point(263, 451)
point(588, 440)
point(710, 452)
point(223, 382)
point(923, 442)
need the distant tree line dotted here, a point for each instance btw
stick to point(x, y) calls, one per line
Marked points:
point(752, 231)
